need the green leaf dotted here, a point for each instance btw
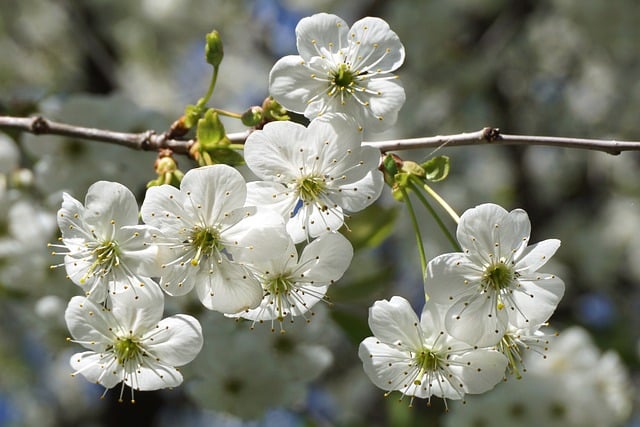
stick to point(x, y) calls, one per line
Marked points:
point(210, 130)
point(226, 156)
point(191, 115)
point(436, 168)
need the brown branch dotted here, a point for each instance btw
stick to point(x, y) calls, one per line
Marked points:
point(151, 141)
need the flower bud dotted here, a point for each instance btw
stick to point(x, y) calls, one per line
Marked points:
point(273, 111)
point(252, 117)
point(213, 50)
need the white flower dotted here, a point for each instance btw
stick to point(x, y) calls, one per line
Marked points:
point(129, 342)
point(312, 175)
point(516, 340)
point(419, 359)
point(291, 285)
point(495, 280)
point(107, 249)
point(342, 70)
point(208, 235)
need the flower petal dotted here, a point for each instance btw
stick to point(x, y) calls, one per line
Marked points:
point(535, 256)
point(89, 323)
point(394, 322)
point(476, 320)
point(321, 35)
point(535, 300)
point(99, 368)
point(153, 375)
point(230, 289)
point(479, 370)
point(212, 191)
point(385, 365)
point(291, 83)
point(110, 205)
point(375, 47)
point(324, 260)
point(175, 340)
point(449, 277)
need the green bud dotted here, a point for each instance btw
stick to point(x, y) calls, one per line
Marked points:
point(273, 111)
point(213, 50)
point(210, 132)
point(252, 117)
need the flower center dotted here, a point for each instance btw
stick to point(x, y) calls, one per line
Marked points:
point(126, 349)
point(206, 241)
point(428, 361)
point(279, 288)
point(310, 188)
point(343, 77)
point(106, 256)
point(498, 276)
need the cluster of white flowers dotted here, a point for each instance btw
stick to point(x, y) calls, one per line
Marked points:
point(235, 243)
point(484, 306)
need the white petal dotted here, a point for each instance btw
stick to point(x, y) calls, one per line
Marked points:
point(164, 207)
point(535, 299)
point(273, 195)
point(273, 153)
point(320, 34)
point(535, 256)
point(313, 221)
point(394, 322)
point(89, 323)
point(175, 341)
point(379, 47)
point(292, 85)
point(386, 97)
point(212, 191)
point(99, 368)
point(479, 370)
point(110, 201)
point(153, 375)
point(476, 231)
point(477, 321)
point(386, 366)
point(324, 260)
point(138, 251)
point(361, 194)
point(449, 277)
point(230, 289)
point(138, 312)
point(71, 220)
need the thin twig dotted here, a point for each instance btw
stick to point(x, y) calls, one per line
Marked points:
point(151, 141)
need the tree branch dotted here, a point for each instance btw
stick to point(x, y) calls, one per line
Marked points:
point(152, 141)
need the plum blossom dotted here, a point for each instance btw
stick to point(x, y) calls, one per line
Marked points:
point(341, 69)
point(494, 281)
point(107, 250)
point(311, 176)
point(418, 358)
point(129, 343)
point(209, 235)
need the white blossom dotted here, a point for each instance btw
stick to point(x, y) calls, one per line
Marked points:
point(418, 358)
point(342, 69)
point(130, 342)
point(494, 281)
point(311, 176)
point(209, 235)
point(107, 251)
point(293, 285)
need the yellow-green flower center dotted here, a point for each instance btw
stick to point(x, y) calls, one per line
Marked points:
point(343, 77)
point(106, 256)
point(206, 241)
point(278, 288)
point(310, 188)
point(498, 276)
point(427, 361)
point(126, 349)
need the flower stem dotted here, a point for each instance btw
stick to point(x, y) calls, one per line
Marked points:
point(416, 227)
point(228, 113)
point(433, 213)
point(212, 84)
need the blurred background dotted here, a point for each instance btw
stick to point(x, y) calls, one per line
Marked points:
point(545, 67)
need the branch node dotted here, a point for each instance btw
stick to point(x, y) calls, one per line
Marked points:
point(39, 125)
point(490, 134)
